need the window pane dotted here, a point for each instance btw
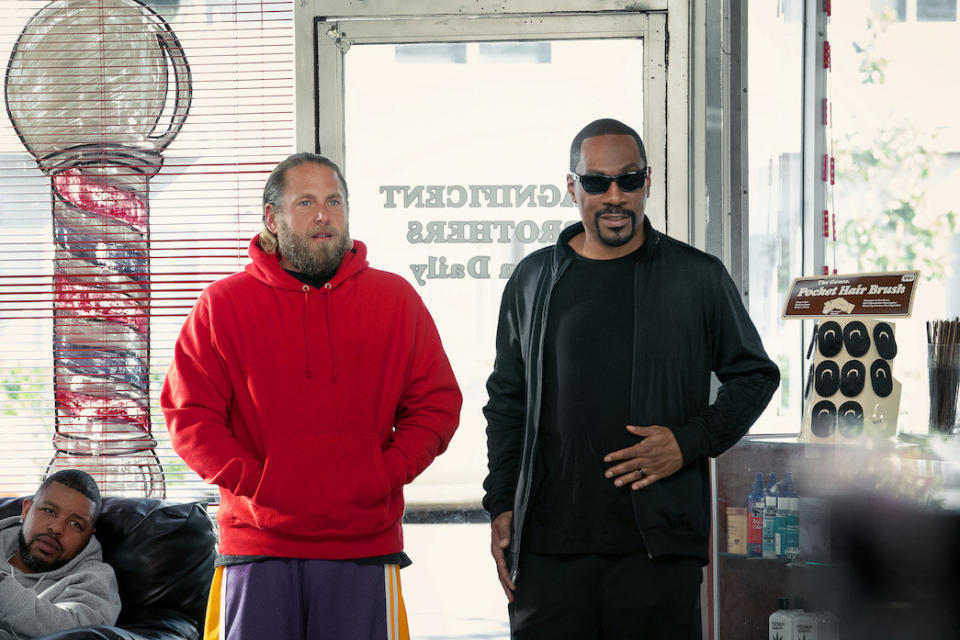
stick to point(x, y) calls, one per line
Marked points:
point(456, 172)
point(431, 52)
point(514, 52)
point(82, 359)
point(775, 217)
point(891, 9)
point(937, 10)
point(896, 141)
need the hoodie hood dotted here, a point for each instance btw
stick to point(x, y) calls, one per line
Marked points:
point(82, 592)
point(266, 268)
point(9, 527)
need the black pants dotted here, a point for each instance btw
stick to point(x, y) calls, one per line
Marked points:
point(608, 597)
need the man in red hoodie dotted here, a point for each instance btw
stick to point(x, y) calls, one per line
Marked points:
point(309, 388)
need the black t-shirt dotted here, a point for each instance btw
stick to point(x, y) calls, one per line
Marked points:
point(401, 559)
point(316, 282)
point(587, 374)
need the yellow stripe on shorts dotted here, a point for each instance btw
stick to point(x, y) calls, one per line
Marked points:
point(397, 627)
point(213, 621)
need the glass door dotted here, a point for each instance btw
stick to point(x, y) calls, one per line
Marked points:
point(454, 134)
point(457, 135)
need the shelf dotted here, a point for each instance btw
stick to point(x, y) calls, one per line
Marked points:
point(780, 561)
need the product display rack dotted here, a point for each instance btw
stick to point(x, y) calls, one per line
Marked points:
point(880, 510)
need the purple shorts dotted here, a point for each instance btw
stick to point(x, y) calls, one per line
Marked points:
point(294, 599)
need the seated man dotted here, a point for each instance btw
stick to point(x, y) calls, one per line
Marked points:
point(52, 573)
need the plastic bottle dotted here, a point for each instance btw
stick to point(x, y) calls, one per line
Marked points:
point(791, 546)
point(773, 488)
point(769, 527)
point(807, 626)
point(780, 625)
point(755, 505)
point(780, 527)
point(829, 625)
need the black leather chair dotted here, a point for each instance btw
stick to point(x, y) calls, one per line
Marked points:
point(163, 556)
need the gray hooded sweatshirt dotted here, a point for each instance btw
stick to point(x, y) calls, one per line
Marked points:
point(81, 592)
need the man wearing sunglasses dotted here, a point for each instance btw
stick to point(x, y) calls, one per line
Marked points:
point(600, 420)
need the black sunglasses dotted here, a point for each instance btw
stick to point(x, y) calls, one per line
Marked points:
point(595, 184)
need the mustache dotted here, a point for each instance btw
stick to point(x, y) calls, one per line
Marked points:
point(49, 539)
point(620, 211)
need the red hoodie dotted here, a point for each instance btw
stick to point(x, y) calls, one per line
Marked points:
point(310, 408)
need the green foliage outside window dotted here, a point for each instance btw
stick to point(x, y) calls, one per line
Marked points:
point(890, 224)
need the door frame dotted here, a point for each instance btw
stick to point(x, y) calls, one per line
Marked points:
point(325, 33)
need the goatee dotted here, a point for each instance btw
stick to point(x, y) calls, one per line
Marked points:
point(32, 562)
point(622, 236)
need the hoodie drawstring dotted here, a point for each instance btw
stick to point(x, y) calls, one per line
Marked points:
point(306, 332)
point(328, 289)
point(328, 297)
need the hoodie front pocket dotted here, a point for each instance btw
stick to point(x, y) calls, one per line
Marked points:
point(338, 484)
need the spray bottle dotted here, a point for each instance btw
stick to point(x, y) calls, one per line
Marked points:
point(780, 527)
point(755, 506)
point(769, 527)
point(792, 533)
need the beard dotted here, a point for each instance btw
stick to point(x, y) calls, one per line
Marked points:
point(617, 237)
point(31, 561)
point(311, 258)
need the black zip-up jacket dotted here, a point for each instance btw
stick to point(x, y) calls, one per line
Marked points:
point(689, 320)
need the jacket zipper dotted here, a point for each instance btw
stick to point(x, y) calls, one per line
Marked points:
point(528, 481)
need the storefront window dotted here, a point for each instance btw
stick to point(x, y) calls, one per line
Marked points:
point(461, 177)
point(775, 75)
point(891, 131)
point(457, 155)
point(896, 146)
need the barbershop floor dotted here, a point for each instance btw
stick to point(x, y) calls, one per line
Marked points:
point(451, 590)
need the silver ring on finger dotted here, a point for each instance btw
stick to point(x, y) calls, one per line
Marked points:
point(641, 472)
